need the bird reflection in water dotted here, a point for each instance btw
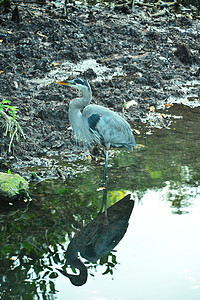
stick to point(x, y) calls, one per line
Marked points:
point(98, 238)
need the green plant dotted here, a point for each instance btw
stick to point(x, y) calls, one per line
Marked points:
point(6, 107)
point(8, 118)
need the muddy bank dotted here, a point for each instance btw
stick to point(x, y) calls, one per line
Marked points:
point(151, 60)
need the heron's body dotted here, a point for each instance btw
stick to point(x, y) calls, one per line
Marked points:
point(95, 124)
point(99, 125)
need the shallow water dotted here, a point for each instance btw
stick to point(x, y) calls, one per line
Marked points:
point(158, 257)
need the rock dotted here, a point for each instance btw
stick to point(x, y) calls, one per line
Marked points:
point(184, 54)
point(13, 187)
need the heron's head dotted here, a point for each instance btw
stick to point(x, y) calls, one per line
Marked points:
point(80, 84)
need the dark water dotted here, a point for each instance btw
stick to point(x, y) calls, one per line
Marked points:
point(158, 257)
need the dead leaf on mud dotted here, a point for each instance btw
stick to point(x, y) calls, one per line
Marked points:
point(42, 35)
point(136, 132)
point(129, 104)
point(152, 108)
point(101, 189)
point(169, 105)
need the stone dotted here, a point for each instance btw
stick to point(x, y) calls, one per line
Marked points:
point(13, 187)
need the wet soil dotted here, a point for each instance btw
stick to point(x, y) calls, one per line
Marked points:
point(153, 60)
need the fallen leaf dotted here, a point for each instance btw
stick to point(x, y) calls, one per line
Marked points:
point(152, 108)
point(101, 189)
point(169, 105)
point(130, 103)
point(42, 35)
point(136, 131)
point(89, 157)
point(55, 64)
point(149, 133)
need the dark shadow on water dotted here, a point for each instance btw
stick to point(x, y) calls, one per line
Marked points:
point(98, 238)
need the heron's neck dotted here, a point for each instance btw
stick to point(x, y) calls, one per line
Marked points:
point(75, 108)
point(79, 103)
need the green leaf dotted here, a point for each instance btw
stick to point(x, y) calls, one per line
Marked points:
point(5, 101)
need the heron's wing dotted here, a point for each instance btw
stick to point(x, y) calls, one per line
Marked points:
point(93, 121)
point(115, 131)
point(109, 127)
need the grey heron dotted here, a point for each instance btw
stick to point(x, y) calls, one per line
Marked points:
point(95, 124)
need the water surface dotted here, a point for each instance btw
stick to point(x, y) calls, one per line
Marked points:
point(158, 257)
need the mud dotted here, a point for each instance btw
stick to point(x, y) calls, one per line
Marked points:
point(151, 61)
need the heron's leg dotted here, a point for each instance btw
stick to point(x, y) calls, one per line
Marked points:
point(105, 170)
point(105, 183)
point(104, 203)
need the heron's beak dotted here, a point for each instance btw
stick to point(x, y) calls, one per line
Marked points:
point(62, 82)
point(68, 83)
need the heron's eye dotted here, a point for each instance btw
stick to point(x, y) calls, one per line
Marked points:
point(79, 81)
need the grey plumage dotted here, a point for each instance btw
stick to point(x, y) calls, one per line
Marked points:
point(110, 129)
point(95, 124)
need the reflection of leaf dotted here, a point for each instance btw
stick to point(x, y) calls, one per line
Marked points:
point(103, 260)
point(114, 196)
point(45, 274)
point(52, 286)
point(74, 270)
point(56, 258)
point(155, 174)
point(53, 275)
point(114, 259)
point(106, 271)
point(111, 265)
point(43, 285)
